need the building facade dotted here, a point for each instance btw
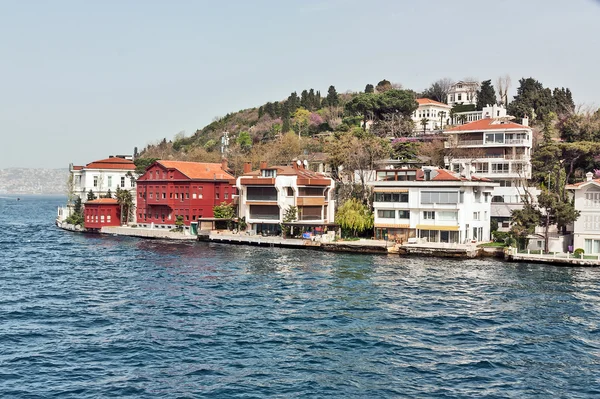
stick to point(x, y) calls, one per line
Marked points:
point(267, 193)
point(586, 229)
point(188, 189)
point(491, 111)
point(99, 177)
point(431, 116)
point(463, 92)
point(431, 205)
point(497, 150)
point(101, 212)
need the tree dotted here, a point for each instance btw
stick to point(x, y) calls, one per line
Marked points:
point(395, 101)
point(290, 215)
point(533, 100)
point(108, 194)
point(383, 86)
point(363, 104)
point(141, 164)
point(244, 141)
point(563, 99)
point(523, 223)
point(178, 223)
point(125, 200)
point(503, 85)
point(424, 123)
point(369, 88)
point(486, 95)
point(77, 205)
point(438, 90)
point(332, 97)
point(91, 196)
point(554, 211)
point(353, 216)
point(225, 211)
point(301, 120)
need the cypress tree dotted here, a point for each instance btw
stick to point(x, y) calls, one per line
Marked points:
point(332, 97)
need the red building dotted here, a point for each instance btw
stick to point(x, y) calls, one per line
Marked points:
point(189, 189)
point(101, 212)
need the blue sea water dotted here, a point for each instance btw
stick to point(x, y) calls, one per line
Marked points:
point(90, 316)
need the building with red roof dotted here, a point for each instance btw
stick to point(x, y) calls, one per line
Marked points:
point(265, 195)
point(431, 205)
point(188, 189)
point(101, 212)
point(498, 149)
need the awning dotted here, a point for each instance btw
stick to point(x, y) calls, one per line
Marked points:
point(390, 190)
point(441, 228)
point(392, 226)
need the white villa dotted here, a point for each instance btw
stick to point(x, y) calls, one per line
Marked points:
point(586, 229)
point(463, 93)
point(99, 177)
point(498, 150)
point(436, 114)
point(432, 205)
point(266, 194)
point(491, 111)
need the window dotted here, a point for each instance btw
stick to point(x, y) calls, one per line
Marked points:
point(268, 212)
point(592, 246)
point(122, 182)
point(289, 191)
point(428, 215)
point(310, 191)
point(132, 182)
point(592, 199)
point(459, 97)
point(309, 212)
point(269, 173)
point(391, 197)
point(404, 214)
point(476, 215)
point(150, 194)
point(500, 168)
point(200, 192)
point(95, 181)
point(482, 167)
point(226, 196)
point(439, 197)
point(447, 215)
point(164, 195)
point(494, 138)
point(497, 198)
point(386, 214)
point(109, 180)
point(261, 194)
point(216, 195)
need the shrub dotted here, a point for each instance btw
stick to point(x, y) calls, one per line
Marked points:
point(578, 252)
point(500, 236)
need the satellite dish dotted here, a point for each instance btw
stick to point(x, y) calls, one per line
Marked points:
point(298, 162)
point(305, 163)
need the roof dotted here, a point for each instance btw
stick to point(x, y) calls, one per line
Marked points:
point(198, 170)
point(289, 171)
point(441, 175)
point(487, 124)
point(104, 201)
point(77, 167)
point(428, 101)
point(111, 163)
point(576, 186)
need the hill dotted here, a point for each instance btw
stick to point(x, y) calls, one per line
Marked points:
point(33, 181)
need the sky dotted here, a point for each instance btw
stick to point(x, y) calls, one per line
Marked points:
point(82, 80)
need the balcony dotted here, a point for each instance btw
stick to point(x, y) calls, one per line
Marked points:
point(316, 201)
point(478, 143)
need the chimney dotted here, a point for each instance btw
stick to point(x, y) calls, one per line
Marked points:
point(247, 167)
point(263, 165)
point(525, 121)
point(224, 164)
point(589, 176)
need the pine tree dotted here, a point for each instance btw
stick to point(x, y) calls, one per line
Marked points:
point(304, 102)
point(311, 100)
point(332, 97)
point(369, 88)
point(261, 112)
point(486, 95)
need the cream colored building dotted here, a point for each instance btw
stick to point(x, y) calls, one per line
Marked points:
point(586, 229)
point(436, 114)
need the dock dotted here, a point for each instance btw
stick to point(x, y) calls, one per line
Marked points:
point(440, 250)
point(561, 259)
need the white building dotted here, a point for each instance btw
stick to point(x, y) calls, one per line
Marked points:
point(491, 111)
point(436, 114)
point(586, 229)
point(498, 150)
point(99, 177)
point(431, 204)
point(464, 93)
point(267, 193)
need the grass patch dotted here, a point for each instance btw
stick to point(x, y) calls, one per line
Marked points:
point(492, 245)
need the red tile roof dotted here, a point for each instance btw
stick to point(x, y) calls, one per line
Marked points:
point(428, 101)
point(198, 170)
point(581, 183)
point(112, 201)
point(111, 163)
point(487, 124)
point(77, 167)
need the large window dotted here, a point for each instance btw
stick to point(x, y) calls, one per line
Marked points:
point(592, 246)
point(386, 214)
point(262, 194)
point(403, 214)
point(309, 212)
point(500, 168)
point(494, 138)
point(592, 199)
point(264, 212)
point(439, 197)
point(482, 167)
point(445, 215)
point(428, 215)
point(391, 197)
point(310, 191)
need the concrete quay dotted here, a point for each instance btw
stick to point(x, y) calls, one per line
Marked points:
point(440, 250)
point(561, 259)
point(148, 233)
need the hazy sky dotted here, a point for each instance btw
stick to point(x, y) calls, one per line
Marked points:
point(81, 80)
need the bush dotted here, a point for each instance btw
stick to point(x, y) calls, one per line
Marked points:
point(500, 236)
point(578, 252)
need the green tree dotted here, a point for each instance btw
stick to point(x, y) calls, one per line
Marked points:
point(108, 194)
point(141, 164)
point(363, 104)
point(301, 120)
point(178, 223)
point(91, 196)
point(383, 86)
point(244, 141)
point(533, 100)
point(523, 223)
point(355, 217)
point(424, 123)
point(77, 205)
point(225, 211)
point(369, 88)
point(332, 98)
point(290, 215)
point(438, 90)
point(554, 211)
point(486, 95)
point(125, 200)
